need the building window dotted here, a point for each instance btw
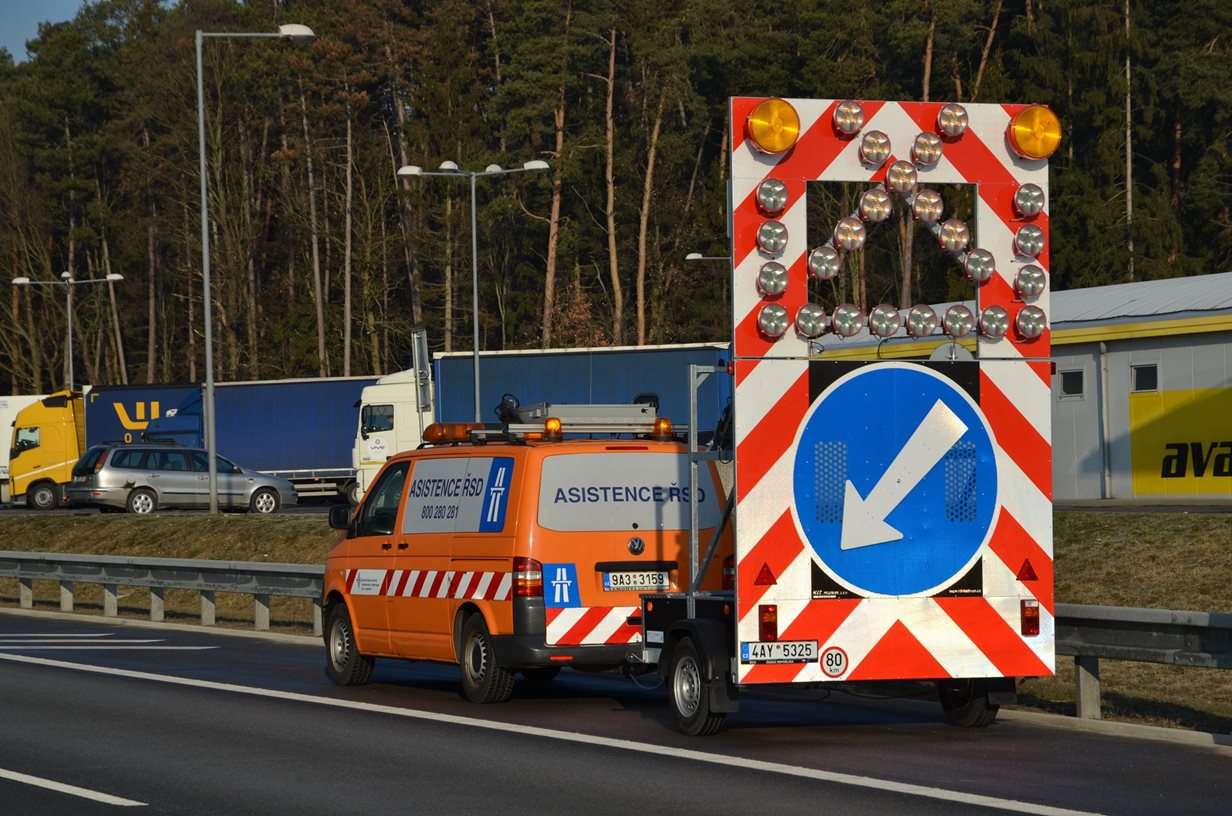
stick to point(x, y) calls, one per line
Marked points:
point(1071, 384)
point(1145, 377)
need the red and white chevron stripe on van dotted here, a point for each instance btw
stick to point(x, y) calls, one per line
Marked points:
point(491, 586)
point(890, 637)
point(592, 626)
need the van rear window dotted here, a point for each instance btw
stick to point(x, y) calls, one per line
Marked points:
point(622, 491)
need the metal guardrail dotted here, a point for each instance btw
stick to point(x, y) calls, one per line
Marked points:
point(258, 579)
point(1087, 633)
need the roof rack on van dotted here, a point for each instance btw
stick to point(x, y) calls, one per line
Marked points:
point(551, 421)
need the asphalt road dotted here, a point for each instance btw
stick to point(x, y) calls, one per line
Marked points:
point(187, 721)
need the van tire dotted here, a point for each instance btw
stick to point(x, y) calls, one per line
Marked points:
point(483, 681)
point(965, 702)
point(142, 502)
point(689, 694)
point(345, 665)
point(43, 496)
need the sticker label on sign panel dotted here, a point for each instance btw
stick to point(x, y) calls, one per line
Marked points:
point(636, 581)
point(779, 651)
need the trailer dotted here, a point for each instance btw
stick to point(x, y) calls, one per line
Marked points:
point(892, 518)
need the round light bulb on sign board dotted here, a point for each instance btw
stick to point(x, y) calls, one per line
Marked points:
point(958, 321)
point(927, 206)
point(954, 235)
point(921, 320)
point(926, 149)
point(884, 320)
point(811, 320)
point(901, 177)
point(824, 262)
point(773, 126)
point(848, 118)
point(980, 265)
point(1029, 200)
point(1029, 240)
point(875, 147)
point(1030, 281)
point(849, 233)
point(994, 322)
point(875, 205)
point(1034, 132)
point(952, 120)
point(772, 237)
point(773, 321)
point(772, 279)
point(847, 320)
point(1031, 322)
point(772, 196)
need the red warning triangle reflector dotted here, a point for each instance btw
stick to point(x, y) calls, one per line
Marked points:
point(1027, 572)
point(765, 577)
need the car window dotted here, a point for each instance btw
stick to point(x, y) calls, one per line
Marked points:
point(380, 508)
point(172, 460)
point(129, 458)
point(225, 465)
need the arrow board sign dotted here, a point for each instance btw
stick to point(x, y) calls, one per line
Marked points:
point(895, 479)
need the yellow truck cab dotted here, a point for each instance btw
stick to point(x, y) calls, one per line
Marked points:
point(48, 439)
point(515, 551)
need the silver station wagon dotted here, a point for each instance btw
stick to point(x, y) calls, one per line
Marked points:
point(143, 478)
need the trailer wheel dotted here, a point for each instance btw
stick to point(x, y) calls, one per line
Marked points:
point(43, 496)
point(690, 698)
point(483, 681)
point(264, 501)
point(142, 502)
point(345, 665)
point(965, 702)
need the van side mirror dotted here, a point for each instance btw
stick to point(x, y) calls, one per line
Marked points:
point(340, 517)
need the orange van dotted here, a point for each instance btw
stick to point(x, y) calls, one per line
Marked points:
point(509, 554)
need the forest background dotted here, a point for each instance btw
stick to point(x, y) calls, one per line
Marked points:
point(323, 261)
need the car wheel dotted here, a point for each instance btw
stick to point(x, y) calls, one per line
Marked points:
point(264, 501)
point(689, 696)
point(483, 681)
point(44, 496)
point(345, 665)
point(142, 501)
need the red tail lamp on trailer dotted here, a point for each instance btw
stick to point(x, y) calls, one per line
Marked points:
point(768, 622)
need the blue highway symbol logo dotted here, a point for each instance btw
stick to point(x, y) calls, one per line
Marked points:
point(895, 480)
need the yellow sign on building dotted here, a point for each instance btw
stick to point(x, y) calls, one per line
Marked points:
point(1181, 442)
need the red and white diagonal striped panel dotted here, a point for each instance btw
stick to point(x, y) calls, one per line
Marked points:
point(592, 626)
point(890, 637)
point(491, 586)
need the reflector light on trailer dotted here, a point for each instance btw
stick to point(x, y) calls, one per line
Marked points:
point(875, 205)
point(1030, 616)
point(1029, 240)
point(1031, 322)
point(849, 233)
point(884, 320)
point(1029, 282)
point(847, 320)
point(921, 321)
point(772, 196)
point(901, 177)
point(824, 262)
point(926, 149)
point(980, 265)
point(773, 321)
point(774, 126)
point(952, 120)
point(1029, 200)
point(811, 320)
point(958, 321)
point(1034, 132)
point(954, 235)
point(848, 118)
point(875, 147)
point(527, 577)
point(927, 206)
point(994, 322)
point(767, 622)
point(772, 279)
point(772, 237)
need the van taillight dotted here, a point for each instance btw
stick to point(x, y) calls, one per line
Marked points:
point(527, 578)
point(768, 622)
point(729, 572)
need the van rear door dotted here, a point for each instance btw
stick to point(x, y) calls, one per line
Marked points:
point(614, 523)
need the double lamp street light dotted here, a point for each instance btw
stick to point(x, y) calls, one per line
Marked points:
point(68, 282)
point(449, 168)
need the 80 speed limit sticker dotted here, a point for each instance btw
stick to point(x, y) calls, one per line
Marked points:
point(834, 662)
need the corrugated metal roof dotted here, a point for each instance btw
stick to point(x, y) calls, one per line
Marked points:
point(1156, 298)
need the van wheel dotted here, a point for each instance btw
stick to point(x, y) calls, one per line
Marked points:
point(965, 702)
point(482, 680)
point(43, 496)
point(686, 688)
point(345, 665)
point(264, 501)
point(143, 502)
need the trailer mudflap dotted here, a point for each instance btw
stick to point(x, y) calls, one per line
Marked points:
point(665, 620)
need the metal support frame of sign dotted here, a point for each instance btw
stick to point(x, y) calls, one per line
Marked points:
point(897, 517)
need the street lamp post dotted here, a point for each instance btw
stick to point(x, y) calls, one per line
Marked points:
point(449, 168)
point(294, 33)
point(68, 282)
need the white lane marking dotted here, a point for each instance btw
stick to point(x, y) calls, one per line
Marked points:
point(99, 647)
point(69, 642)
point(585, 739)
point(50, 635)
point(72, 790)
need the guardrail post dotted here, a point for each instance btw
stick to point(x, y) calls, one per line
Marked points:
point(66, 596)
point(1086, 678)
point(157, 604)
point(317, 627)
point(26, 593)
point(207, 607)
point(111, 603)
point(261, 611)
